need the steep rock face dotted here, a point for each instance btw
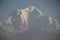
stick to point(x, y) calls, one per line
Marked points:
point(37, 20)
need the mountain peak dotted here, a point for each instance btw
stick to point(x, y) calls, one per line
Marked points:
point(31, 9)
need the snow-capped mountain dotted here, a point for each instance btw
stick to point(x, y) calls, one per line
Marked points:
point(30, 18)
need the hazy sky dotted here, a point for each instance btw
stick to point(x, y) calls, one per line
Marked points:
point(49, 7)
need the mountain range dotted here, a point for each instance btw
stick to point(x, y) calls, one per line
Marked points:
point(30, 18)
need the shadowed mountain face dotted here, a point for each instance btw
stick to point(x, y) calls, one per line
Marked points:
point(30, 24)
